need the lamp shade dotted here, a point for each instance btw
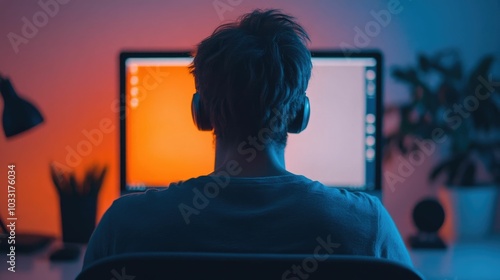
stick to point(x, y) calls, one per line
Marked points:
point(18, 114)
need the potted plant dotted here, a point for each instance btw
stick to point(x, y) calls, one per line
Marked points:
point(465, 111)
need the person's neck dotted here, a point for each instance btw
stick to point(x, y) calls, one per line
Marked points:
point(251, 161)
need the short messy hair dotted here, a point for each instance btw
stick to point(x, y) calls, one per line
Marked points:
point(248, 71)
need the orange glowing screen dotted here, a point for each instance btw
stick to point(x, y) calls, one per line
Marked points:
point(163, 144)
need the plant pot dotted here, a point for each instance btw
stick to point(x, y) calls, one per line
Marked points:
point(471, 210)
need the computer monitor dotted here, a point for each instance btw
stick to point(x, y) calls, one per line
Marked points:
point(159, 143)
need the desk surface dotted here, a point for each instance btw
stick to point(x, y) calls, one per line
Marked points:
point(38, 266)
point(466, 260)
point(478, 260)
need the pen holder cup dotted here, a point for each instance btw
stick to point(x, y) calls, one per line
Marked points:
point(78, 218)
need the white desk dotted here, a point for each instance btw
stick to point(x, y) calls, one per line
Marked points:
point(463, 261)
point(472, 260)
point(38, 266)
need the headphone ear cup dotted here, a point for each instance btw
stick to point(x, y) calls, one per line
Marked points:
point(200, 117)
point(299, 123)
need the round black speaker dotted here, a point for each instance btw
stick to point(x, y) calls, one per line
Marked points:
point(428, 215)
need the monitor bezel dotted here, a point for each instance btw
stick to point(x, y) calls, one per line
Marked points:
point(377, 55)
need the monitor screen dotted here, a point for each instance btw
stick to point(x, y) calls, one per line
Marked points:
point(159, 143)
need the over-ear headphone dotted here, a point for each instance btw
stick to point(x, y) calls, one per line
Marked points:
point(202, 120)
point(299, 123)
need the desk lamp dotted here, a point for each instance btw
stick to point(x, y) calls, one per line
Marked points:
point(18, 116)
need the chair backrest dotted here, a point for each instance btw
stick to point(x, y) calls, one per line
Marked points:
point(150, 266)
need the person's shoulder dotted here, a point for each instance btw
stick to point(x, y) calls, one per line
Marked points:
point(131, 199)
point(124, 206)
point(153, 195)
point(350, 196)
point(361, 198)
